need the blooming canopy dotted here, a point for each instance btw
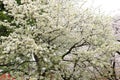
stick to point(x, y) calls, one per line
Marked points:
point(52, 39)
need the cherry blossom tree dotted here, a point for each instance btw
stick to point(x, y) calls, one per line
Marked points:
point(54, 40)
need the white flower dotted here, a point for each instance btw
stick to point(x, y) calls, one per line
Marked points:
point(43, 69)
point(5, 20)
point(45, 59)
point(7, 49)
point(4, 12)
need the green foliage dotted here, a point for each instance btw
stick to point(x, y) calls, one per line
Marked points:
point(18, 1)
point(4, 31)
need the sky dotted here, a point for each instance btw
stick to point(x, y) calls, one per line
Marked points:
point(111, 7)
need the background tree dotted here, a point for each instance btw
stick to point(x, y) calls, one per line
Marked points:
point(4, 31)
point(55, 40)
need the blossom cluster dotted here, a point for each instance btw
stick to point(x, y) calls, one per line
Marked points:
point(46, 32)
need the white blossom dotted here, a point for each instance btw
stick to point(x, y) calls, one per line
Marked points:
point(45, 32)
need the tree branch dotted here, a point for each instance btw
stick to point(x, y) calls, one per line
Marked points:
point(74, 46)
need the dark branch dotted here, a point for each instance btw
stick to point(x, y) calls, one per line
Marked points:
point(74, 46)
point(118, 52)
